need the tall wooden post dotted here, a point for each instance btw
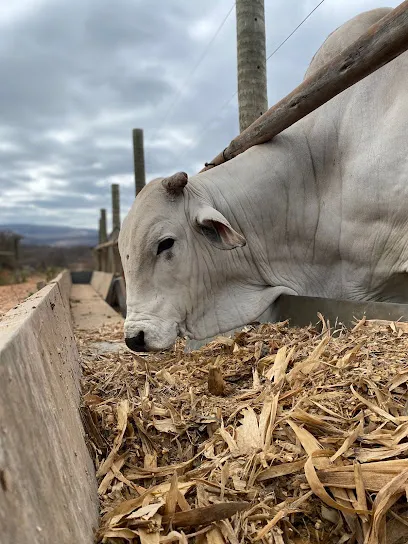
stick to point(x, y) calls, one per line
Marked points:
point(115, 265)
point(103, 237)
point(115, 207)
point(138, 158)
point(103, 231)
point(251, 56)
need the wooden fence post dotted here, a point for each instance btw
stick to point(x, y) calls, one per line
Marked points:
point(251, 56)
point(103, 231)
point(115, 208)
point(114, 257)
point(139, 161)
point(103, 237)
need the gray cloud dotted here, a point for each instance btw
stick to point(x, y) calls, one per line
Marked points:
point(76, 77)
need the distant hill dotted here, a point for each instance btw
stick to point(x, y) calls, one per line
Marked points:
point(52, 235)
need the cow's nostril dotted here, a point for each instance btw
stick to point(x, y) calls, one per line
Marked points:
point(136, 343)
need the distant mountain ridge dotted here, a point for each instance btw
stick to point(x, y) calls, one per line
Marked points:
point(53, 235)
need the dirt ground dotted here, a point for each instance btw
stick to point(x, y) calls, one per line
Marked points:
point(11, 295)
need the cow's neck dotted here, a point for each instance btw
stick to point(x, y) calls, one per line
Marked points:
point(266, 194)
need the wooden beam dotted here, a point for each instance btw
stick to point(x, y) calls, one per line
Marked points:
point(383, 42)
point(104, 245)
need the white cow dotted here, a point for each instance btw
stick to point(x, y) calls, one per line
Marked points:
point(322, 210)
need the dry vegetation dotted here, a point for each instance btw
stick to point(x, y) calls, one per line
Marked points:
point(13, 292)
point(43, 257)
point(302, 439)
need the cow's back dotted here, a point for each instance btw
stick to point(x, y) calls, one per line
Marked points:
point(344, 36)
point(358, 146)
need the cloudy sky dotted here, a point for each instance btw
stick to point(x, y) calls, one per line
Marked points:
point(77, 75)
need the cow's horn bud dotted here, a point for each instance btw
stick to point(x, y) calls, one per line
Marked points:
point(175, 184)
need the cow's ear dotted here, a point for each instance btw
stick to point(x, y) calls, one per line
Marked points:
point(215, 227)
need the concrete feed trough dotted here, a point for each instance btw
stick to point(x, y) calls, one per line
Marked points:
point(48, 490)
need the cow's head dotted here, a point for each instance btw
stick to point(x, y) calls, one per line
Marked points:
point(179, 278)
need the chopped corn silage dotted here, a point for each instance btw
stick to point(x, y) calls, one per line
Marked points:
point(280, 434)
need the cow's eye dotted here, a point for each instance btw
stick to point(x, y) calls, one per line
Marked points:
point(165, 244)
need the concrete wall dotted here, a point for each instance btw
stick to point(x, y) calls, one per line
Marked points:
point(102, 283)
point(47, 485)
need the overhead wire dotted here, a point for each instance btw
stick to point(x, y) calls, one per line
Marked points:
point(293, 31)
point(194, 69)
